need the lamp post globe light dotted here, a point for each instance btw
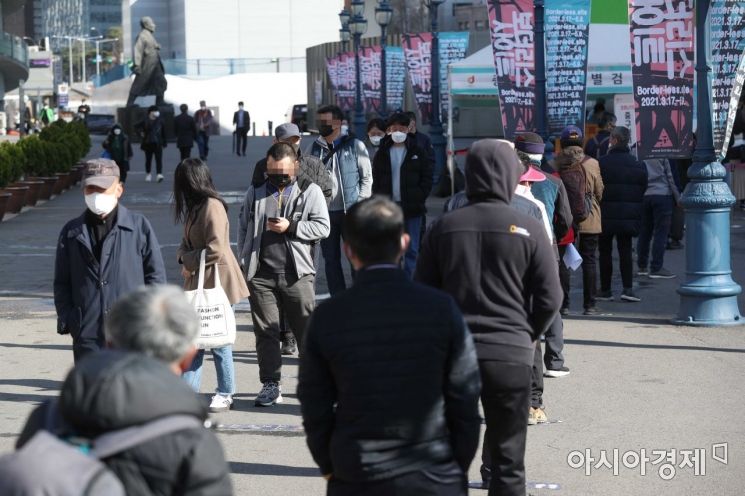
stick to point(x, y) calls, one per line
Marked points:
point(358, 27)
point(435, 126)
point(709, 295)
point(383, 16)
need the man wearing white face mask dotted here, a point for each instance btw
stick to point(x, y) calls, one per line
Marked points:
point(102, 255)
point(402, 171)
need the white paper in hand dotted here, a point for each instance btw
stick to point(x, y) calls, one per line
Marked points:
point(572, 258)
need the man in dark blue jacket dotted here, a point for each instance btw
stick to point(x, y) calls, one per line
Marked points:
point(102, 255)
point(389, 381)
point(625, 181)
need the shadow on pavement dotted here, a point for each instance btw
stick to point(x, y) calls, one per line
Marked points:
point(24, 398)
point(40, 384)
point(614, 344)
point(247, 405)
point(38, 346)
point(269, 469)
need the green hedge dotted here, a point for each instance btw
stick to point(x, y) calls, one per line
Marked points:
point(56, 149)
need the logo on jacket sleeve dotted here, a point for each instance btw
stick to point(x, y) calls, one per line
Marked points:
point(519, 230)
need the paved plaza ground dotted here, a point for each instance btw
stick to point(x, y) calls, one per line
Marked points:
point(637, 382)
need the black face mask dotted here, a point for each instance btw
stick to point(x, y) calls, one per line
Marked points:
point(279, 180)
point(326, 130)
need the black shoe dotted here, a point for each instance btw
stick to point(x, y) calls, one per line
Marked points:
point(604, 296)
point(674, 245)
point(289, 344)
point(663, 273)
point(485, 476)
point(564, 311)
point(591, 311)
point(628, 295)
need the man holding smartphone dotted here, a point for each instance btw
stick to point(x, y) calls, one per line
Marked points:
point(281, 222)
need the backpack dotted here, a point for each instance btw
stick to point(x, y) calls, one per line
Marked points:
point(599, 145)
point(55, 466)
point(580, 200)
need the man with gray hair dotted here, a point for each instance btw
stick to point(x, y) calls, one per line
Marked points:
point(152, 332)
point(625, 181)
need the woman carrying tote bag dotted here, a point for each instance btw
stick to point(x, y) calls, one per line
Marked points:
point(204, 215)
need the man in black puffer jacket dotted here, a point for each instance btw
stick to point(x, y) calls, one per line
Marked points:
point(153, 329)
point(625, 181)
point(389, 383)
point(402, 171)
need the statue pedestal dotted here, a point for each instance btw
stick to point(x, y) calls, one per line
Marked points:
point(129, 117)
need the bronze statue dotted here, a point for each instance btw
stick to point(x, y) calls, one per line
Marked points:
point(150, 78)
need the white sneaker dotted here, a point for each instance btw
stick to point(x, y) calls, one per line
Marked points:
point(221, 403)
point(160, 178)
point(149, 178)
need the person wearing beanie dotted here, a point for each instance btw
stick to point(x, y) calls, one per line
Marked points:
point(584, 184)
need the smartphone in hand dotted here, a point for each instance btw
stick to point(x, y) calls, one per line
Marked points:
point(273, 219)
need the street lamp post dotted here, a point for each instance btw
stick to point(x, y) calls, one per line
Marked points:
point(383, 16)
point(435, 126)
point(540, 72)
point(709, 295)
point(358, 27)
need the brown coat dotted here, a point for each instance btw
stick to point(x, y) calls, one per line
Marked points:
point(208, 229)
point(573, 156)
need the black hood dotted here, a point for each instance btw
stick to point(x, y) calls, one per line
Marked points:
point(492, 171)
point(114, 389)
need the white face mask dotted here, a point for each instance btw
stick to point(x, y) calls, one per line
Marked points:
point(117, 131)
point(240, 107)
point(203, 108)
point(101, 203)
point(398, 137)
point(344, 129)
point(375, 140)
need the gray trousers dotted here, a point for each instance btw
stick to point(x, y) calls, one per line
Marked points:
point(269, 293)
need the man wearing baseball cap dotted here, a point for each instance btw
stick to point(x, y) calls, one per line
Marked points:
point(103, 254)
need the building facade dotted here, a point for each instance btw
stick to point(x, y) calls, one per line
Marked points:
point(236, 35)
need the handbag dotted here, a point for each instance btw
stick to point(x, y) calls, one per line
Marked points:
point(216, 318)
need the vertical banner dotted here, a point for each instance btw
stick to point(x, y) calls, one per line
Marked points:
point(511, 25)
point(453, 48)
point(370, 76)
point(347, 82)
point(396, 76)
point(662, 51)
point(567, 32)
point(625, 110)
point(727, 21)
point(332, 67)
point(418, 51)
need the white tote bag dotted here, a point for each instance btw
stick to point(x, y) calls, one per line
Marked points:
point(216, 317)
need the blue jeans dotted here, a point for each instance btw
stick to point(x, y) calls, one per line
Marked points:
point(657, 213)
point(413, 226)
point(331, 249)
point(203, 142)
point(223, 364)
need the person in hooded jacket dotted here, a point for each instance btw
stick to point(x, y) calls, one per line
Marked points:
point(153, 133)
point(120, 149)
point(496, 263)
point(152, 331)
